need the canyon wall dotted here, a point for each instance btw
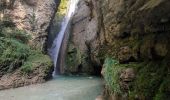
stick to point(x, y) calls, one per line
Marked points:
point(34, 16)
point(134, 34)
point(85, 38)
point(24, 27)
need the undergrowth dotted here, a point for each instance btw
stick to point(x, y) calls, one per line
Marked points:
point(15, 51)
point(151, 83)
point(34, 60)
point(111, 70)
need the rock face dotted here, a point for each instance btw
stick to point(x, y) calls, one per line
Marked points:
point(137, 24)
point(126, 77)
point(85, 38)
point(138, 31)
point(30, 65)
point(16, 79)
point(41, 71)
point(33, 16)
point(131, 31)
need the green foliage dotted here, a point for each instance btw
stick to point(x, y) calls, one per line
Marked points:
point(77, 61)
point(111, 74)
point(151, 83)
point(12, 53)
point(14, 33)
point(71, 57)
point(35, 59)
point(63, 7)
point(27, 67)
point(74, 57)
point(15, 52)
point(164, 89)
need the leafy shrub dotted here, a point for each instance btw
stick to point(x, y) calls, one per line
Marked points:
point(15, 53)
point(13, 47)
point(12, 53)
point(27, 67)
point(17, 34)
point(34, 60)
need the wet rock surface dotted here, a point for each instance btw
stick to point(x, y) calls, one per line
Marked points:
point(85, 39)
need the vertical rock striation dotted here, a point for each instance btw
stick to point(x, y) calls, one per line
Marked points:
point(85, 38)
point(133, 32)
point(34, 16)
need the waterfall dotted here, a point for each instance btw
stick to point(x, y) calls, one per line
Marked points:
point(55, 49)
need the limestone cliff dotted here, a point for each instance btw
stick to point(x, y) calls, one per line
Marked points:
point(135, 34)
point(24, 28)
point(34, 16)
point(85, 38)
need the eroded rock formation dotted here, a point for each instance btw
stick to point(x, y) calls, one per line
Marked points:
point(130, 31)
point(34, 16)
point(21, 59)
point(85, 38)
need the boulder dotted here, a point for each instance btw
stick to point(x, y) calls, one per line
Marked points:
point(126, 77)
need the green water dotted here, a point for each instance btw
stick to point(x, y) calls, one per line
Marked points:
point(60, 88)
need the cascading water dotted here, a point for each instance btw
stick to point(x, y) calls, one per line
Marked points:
point(55, 49)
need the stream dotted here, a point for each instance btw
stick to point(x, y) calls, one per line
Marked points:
point(59, 88)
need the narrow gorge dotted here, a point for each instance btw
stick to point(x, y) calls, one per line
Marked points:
point(84, 49)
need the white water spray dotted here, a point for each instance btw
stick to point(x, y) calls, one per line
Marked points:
point(55, 49)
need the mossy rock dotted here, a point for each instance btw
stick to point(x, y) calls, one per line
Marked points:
point(36, 60)
point(77, 61)
point(151, 83)
point(15, 53)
